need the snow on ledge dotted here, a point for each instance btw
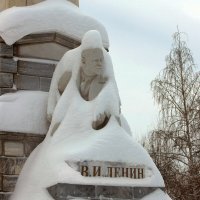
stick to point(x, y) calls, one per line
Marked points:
point(24, 112)
point(48, 16)
point(157, 195)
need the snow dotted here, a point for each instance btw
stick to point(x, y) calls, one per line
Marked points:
point(24, 112)
point(46, 166)
point(75, 139)
point(71, 62)
point(157, 195)
point(36, 60)
point(17, 22)
point(125, 125)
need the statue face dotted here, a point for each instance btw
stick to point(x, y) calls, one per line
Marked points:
point(92, 61)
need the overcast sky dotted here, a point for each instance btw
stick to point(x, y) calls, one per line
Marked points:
point(140, 33)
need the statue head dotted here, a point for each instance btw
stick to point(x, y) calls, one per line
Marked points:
point(91, 40)
point(92, 61)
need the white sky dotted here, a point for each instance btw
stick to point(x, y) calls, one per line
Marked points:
point(140, 37)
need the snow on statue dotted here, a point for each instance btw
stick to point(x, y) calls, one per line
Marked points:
point(88, 72)
point(86, 124)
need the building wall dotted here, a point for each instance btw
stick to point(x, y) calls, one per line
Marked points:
point(32, 73)
point(31, 2)
point(25, 75)
point(2, 4)
point(11, 3)
point(14, 151)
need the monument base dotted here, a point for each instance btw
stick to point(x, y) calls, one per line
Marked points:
point(66, 191)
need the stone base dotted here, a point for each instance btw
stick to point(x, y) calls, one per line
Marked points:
point(5, 195)
point(98, 192)
point(29, 71)
point(14, 150)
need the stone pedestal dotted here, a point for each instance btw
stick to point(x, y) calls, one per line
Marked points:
point(8, 67)
point(104, 170)
point(30, 72)
point(14, 150)
point(98, 192)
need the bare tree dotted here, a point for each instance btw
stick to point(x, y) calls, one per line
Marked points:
point(176, 143)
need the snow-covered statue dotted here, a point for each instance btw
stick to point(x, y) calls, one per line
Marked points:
point(90, 69)
point(90, 80)
point(91, 73)
point(86, 125)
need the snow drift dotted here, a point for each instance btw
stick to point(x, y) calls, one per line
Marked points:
point(49, 16)
point(24, 112)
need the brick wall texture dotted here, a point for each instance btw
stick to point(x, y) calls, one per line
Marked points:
point(29, 74)
point(14, 150)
